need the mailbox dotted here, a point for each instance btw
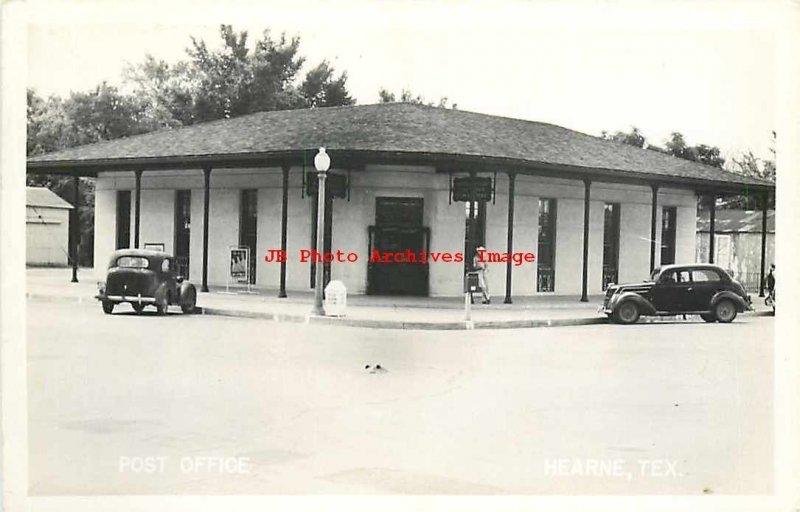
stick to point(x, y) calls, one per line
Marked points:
point(471, 283)
point(335, 299)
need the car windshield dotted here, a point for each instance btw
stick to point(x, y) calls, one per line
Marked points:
point(654, 273)
point(133, 262)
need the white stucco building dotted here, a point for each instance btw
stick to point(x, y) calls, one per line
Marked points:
point(46, 228)
point(592, 211)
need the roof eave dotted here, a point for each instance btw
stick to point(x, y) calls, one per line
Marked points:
point(444, 162)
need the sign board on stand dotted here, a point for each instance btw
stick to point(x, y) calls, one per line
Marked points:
point(239, 267)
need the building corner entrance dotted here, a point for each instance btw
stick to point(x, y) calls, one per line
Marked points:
point(398, 229)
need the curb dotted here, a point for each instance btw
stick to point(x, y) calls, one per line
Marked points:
point(389, 324)
point(381, 324)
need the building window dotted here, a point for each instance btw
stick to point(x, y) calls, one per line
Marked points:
point(668, 227)
point(474, 229)
point(248, 223)
point(123, 219)
point(183, 218)
point(610, 244)
point(546, 261)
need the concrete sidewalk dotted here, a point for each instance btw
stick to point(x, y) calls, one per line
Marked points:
point(443, 313)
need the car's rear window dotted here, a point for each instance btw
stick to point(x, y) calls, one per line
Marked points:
point(700, 275)
point(133, 262)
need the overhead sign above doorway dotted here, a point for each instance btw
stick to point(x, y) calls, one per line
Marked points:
point(472, 189)
point(337, 186)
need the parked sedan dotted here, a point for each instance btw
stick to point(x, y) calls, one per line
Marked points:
point(699, 289)
point(144, 278)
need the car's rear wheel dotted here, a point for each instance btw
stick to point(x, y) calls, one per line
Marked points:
point(627, 313)
point(708, 317)
point(725, 311)
point(108, 307)
point(189, 302)
point(138, 307)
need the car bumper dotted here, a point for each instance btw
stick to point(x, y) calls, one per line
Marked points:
point(126, 298)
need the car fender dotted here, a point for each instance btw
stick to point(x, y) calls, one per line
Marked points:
point(186, 288)
point(644, 305)
point(741, 305)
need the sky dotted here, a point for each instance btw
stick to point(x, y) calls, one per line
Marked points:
point(706, 69)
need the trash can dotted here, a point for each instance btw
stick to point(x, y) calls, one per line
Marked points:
point(335, 299)
point(472, 283)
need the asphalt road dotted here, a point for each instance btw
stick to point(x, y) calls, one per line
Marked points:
point(128, 404)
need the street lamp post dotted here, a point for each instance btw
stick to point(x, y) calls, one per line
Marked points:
point(322, 162)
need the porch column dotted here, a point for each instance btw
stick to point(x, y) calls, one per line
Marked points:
point(74, 227)
point(472, 244)
point(138, 201)
point(206, 200)
point(712, 204)
point(653, 215)
point(764, 210)
point(587, 191)
point(510, 237)
point(284, 221)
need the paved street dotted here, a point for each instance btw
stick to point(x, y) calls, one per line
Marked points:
point(144, 404)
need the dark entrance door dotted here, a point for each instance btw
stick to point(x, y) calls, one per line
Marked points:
point(183, 209)
point(610, 244)
point(123, 219)
point(474, 230)
point(668, 227)
point(398, 229)
point(248, 223)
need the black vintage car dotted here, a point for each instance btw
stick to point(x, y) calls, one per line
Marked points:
point(699, 289)
point(143, 278)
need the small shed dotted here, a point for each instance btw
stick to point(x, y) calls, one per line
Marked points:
point(737, 242)
point(46, 228)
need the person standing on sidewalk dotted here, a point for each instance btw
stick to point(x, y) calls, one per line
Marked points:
point(479, 266)
point(771, 282)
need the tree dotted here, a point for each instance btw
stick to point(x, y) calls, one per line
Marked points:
point(233, 80)
point(751, 166)
point(632, 138)
point(709, 155)
point(321, 89)
point(210, 84)
point(165, 92)
point(406, 96)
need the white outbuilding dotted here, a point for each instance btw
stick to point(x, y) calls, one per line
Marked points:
point(46, 228)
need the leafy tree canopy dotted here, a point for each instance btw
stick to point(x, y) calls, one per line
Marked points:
point(231, 79)
point(406, 96)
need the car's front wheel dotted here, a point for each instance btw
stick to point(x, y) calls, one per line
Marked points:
point(189, 302)
point(725, 311)
point(627, 313)
point(108, 307)
point(708, 317)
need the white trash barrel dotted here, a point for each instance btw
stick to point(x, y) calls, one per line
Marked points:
point(335, 298)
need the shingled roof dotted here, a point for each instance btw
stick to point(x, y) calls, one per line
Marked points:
point(44, 198)
point(417, 133)
point(736, 221)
